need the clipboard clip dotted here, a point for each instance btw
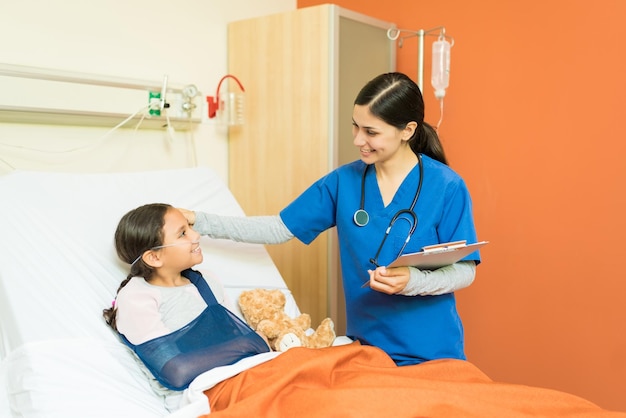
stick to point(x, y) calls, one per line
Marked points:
point(444, 247)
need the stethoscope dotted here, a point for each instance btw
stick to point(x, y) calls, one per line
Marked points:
point(362, 218)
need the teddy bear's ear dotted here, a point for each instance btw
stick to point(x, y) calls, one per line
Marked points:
point(278, 297)
point(244, 301)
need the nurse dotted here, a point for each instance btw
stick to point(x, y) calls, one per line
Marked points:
point(400, 188)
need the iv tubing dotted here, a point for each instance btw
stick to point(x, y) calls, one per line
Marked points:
point(440, 115)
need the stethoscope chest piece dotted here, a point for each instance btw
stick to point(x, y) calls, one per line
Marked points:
point(361, 217)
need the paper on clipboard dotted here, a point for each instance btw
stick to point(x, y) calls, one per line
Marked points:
point(443, 255)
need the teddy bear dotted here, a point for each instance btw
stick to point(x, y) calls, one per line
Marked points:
point(264, 311)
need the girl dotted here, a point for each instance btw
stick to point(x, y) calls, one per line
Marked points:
point(165, 311)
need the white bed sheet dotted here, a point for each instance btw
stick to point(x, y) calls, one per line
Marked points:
point(58, 270)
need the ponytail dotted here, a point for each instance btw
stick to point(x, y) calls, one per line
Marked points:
point(426, 141)
point(109, 313)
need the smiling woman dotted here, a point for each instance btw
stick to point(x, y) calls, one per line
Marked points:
point(408, 312)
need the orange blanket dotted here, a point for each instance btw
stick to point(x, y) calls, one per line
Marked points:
point(361, 381)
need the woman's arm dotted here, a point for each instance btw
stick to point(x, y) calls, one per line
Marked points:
point(411, 281)
point(252, 229)
point(441, 281)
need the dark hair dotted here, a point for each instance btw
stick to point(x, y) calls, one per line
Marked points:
point(138, 231)
point(397, 100)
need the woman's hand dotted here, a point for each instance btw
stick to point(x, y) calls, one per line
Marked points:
point(389, 280)
point(189, 214)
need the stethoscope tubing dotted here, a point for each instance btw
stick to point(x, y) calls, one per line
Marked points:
point(361, 217)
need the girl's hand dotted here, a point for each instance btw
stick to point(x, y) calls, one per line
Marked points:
point(389, 280)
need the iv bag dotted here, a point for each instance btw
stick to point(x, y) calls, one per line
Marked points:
point(440, 77)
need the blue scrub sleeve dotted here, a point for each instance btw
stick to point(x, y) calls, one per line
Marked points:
point(313, 212)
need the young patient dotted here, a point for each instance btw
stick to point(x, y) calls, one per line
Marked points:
point(165, 311)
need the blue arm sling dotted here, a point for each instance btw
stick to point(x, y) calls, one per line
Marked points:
point(217, 337)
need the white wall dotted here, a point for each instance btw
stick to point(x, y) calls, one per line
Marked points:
point(139, 39)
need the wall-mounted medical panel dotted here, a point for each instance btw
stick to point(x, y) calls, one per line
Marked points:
point(47, 96)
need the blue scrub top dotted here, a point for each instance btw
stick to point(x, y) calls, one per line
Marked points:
point(411, 329)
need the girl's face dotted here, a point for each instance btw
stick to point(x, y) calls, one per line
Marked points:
point(377, 141)
point(181, 247)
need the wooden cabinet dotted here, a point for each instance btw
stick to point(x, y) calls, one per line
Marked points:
point(301, 71)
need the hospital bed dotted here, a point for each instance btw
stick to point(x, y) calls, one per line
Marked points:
point(58, 270)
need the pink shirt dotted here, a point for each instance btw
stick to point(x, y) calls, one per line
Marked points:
point(146, 311)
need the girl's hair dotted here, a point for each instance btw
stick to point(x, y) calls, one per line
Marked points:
point(138, 231)
point(396, 99)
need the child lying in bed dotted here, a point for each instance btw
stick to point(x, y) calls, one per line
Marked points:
point(165, 311)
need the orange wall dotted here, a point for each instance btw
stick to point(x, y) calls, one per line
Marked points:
point(534, 120)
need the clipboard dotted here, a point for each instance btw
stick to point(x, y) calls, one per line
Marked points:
point(434, 256)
